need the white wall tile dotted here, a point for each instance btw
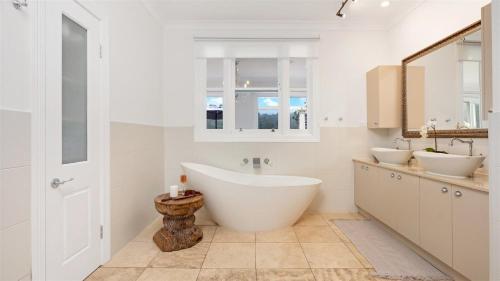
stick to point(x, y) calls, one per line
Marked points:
point(15, 198)
point(15, 143)
point(16, 252)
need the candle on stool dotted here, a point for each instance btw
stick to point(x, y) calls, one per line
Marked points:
point(174, 190)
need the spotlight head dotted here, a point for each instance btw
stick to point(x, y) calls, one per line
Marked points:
point(341, 15)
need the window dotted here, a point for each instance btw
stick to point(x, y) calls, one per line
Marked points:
point(246, 98)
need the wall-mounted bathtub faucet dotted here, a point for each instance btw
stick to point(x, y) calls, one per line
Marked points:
point(256, 162)
point(244, 161)
point(469, 142)
point(403, 140)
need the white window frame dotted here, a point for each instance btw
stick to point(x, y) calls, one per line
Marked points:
point(231, 134)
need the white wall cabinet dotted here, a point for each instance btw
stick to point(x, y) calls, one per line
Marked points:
point(449, 222)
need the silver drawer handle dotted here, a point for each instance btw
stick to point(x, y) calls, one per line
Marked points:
point(458, 193)
point(57, 182)
point(399, 177)
point(444, 190)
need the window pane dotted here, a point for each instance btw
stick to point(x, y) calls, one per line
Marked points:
point(268, 112)
point(215, 73)
point(257, 110)
point(298, 113)
point(256, 73)
point(215, 109)
point(74, 92)
point(298, 73)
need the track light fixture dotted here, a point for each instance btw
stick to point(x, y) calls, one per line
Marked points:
point(339, 12)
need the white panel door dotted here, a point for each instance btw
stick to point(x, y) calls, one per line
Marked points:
point(73, 242)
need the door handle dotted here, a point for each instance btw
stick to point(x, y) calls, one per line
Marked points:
point(55, 183)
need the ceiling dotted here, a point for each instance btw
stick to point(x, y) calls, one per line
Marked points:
point(363, 12)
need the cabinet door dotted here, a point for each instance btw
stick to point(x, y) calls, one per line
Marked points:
point(372, 97)
point(471, 233)
point(360, 185)
point(436, 219)
point(387, 206)
point(407, 206)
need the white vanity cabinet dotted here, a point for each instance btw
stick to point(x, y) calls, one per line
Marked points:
point(398, 208)
point(449, 222)
point(436, 219)
point(471, 233)
point(364, 178)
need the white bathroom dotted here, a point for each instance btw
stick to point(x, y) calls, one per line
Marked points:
point(249, 140)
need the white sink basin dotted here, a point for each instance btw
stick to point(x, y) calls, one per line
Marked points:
point(451, 165)
point(391, 156)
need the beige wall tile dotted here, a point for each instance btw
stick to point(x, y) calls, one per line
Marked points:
point(137, 176)
point(280, 255)
point(15, 145)
point(16, 251)
point(230, 255)
point(15, 189)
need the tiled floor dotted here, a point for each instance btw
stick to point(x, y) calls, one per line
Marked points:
point(313, 249)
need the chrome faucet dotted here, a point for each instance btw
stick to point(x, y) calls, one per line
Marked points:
point(469, 142)
point(256, 162)
point(403, 140)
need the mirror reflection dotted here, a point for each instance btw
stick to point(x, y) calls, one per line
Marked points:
point(444, 86)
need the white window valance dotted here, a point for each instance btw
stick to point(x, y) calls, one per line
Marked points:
point(256, 47)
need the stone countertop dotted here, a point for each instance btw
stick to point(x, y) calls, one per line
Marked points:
point(477, 182)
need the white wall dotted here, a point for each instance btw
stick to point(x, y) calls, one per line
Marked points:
point(427, 24)
point(495, 151)
point(430, 22)
point(135, 42)
point(344, 59)
point(15, 158)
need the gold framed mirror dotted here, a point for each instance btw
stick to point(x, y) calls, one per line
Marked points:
point(442, 84)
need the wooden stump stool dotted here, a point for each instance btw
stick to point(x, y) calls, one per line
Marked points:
point(178, 231)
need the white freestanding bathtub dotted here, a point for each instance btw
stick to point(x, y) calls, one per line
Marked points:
point(247, 202)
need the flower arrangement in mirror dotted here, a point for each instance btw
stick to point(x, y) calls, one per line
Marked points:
point(424, 133)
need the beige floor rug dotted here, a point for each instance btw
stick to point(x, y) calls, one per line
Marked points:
point(389, 256)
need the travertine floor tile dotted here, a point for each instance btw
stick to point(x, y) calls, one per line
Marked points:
point(221, 274)
point(285, 275)
point(208, 233)
point(169, 274)
point(223, 234)
point(280, 255)
point(344, 216)
point(202, 217)
point(230, 255)
point(281, 235)
point(134, 254)
point(316, 234)
point(339, 233)
point(330, 255)
point(311, 219)
point(342, 275)
point(187, 258)
point(147, 234)
point(359, 256)
point(115, 274)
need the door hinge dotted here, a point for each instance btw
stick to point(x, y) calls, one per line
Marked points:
point(101, 232)
point(100, 51)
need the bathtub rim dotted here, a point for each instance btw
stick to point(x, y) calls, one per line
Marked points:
point(307, 181)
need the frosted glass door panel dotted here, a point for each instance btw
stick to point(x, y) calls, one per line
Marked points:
point(74, 92)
